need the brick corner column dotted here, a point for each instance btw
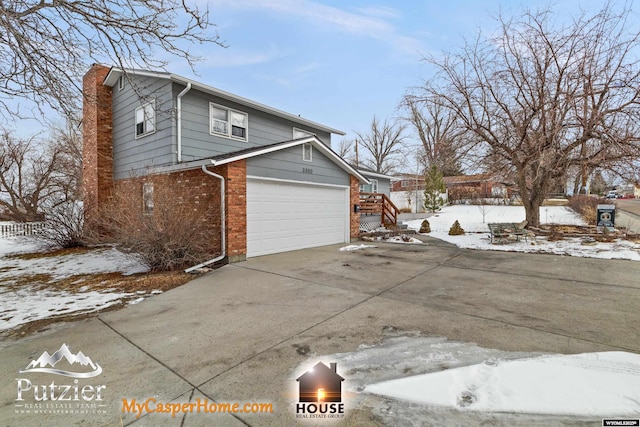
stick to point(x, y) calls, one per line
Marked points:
point(97, 145)
point(236, 210)
point(354, 197)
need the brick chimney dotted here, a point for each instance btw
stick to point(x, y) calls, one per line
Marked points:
point(97, 146)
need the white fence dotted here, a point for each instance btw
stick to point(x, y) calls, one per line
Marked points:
point(20, 229)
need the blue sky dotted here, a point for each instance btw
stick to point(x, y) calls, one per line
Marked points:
point(340, 63)
point(335, 62)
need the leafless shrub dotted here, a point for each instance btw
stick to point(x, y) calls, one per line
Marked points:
point(169, 237)
point(586, 206)
point(64, 226)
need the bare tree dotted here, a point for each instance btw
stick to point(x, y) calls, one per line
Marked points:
point(47, 45)
point(382, 146)
point(346, 151)
point(547, 98)
point(441, 136)
point(37, 175)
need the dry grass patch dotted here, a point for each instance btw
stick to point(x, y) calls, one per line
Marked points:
point(51, 254)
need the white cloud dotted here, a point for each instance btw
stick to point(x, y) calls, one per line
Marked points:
point(380, 11)
point(235, 57)
point(312, 66)
point(369, 22)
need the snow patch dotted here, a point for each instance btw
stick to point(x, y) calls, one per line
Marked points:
point(597, 384)
point(356, 247)
point(477, 232)
point(26, 303)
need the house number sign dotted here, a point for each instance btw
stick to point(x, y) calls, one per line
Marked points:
point(307, 170)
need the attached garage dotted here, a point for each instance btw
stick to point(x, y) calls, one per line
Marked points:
point(287, 215)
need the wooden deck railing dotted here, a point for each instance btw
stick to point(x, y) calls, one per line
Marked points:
point(378, 203)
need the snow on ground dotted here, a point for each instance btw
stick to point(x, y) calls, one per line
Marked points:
point(350, 248)
point(597, 384)
point(25, 302)
point(411, 379)
point(399, 239)
point(477, 232)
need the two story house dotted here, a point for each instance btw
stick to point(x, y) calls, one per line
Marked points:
point(264, 181)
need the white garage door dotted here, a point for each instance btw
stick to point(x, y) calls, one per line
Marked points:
point(285, 216)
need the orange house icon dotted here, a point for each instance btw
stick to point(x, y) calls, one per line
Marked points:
point(320, 384)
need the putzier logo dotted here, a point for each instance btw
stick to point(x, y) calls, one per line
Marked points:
point(62, 362)
point(46, 364)
point(320, 392)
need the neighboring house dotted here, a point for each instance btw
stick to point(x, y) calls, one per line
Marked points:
point(407, 192)
point(284, 188)
point(480, 186)
point(320, 384)
point(378, 182)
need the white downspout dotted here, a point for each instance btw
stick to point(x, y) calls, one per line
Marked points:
point(179, 121)
point(222, 224)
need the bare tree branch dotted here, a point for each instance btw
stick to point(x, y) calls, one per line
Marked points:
point(544, 99)
point(382, 146)
point(46, 46)
point(38, 175)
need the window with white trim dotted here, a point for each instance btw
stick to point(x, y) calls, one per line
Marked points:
point(146, 119)
point(307, 149)
point(404, 183)
point(120, 82)
point(307, 152)
point(228, 123)
point(374, 185)
point(147, 198)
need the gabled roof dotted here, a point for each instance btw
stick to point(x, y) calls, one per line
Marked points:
point(247, 153)
point(264, 149)
point(114, 74)
point(322, 369)
point(374, 174)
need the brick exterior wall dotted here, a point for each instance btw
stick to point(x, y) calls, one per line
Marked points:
point(192, 193)
point(201, 192)
point(354, 196)
point(236, 209)
point(97, 147)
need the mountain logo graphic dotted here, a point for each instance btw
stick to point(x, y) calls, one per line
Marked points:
point(46, 364)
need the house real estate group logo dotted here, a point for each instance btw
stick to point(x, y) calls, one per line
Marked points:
point(56, 397)
point(320, 393)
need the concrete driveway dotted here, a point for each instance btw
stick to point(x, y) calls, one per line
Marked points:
point(238, 333)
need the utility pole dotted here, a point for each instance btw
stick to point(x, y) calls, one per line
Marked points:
point(357, 162)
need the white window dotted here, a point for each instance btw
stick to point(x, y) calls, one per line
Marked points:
point(120, 82)
point(146, 119)
point(307, 152)
point(307, 149)
point(147, 198)
point(369, 188)
point(404, 184)
point(228, 123)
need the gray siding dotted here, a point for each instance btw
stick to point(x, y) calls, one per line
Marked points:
point(288, 164)
point(384, 185)
point(133, 156)
point(263, 129)
point(130, 155)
